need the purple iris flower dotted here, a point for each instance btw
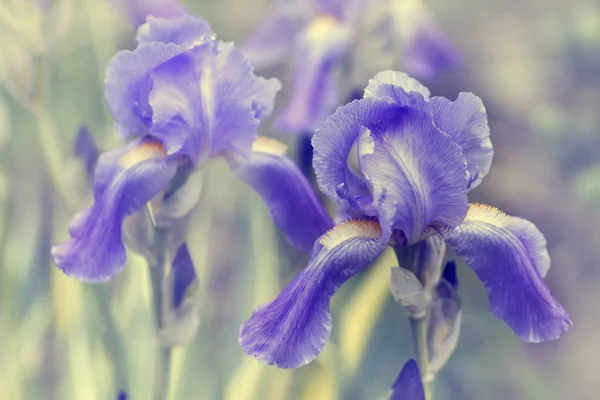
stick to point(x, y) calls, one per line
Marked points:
point(183, 98)
point(408, 385)
point(318, 36)
point(137, 10)
point(417, 158)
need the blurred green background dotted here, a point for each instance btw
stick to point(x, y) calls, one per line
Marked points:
point(535, 65)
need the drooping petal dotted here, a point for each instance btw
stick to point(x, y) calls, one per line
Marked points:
point(85, 148)
point(408, 385)
point(95, 252)
point(334, 139)
point(509, 256)
point(291, 200)
point(397, 87)
point(127, 84)
point(314, 95)
point(205, 102)
point(185, 31)
point(292, 330)
point(417, 174)
point(465, 119)
point(425, 49)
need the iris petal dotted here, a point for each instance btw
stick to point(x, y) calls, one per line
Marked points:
point(127, 82)
point(293, 329)
point(417, 174)
point(408, 385)
point(314, 94)
point(464, 119)
point(291, 200)
point(334, 139)
point(272, 42)
point(95, 251)
point(508, 255)
point(184, 31)
point(206, 102)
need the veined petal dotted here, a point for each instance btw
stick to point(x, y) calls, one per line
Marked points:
point(205, 102)
point(314, 94)
point(185, 31)
point(292, 330)
point(95, 252)
point(291, 200)
point(334, 139)
point(397, 87)
point(408, 385)
point(127, 84)
point(426, 50)
point(465, 119)
point(417, 174)
point(509, 256)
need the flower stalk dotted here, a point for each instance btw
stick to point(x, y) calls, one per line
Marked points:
point(418, 328)
point(161, 293)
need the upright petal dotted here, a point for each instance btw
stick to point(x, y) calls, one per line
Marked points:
point(508, 255)
point(291, 200)
point(397, 87)
point(273, 40)
point(335, 137)
point(127, 84)
point(426, 51)
point(292, 330)
point(204, 102)
point(185, 31)
point(314, 95)
point(417, 174)
point(95, 251)
point(408, 385)
point(465, 119)
point(138, 10)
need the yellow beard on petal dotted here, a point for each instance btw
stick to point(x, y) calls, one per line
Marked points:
point(321, 26)
point(485, 213)
point(144, 151)
point(269, 146)
point(352, 229)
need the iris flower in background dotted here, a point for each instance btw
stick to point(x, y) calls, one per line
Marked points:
point(318, 36)
point(137, 10)
point(417, 159)
point(408, 385)
point(182, 98)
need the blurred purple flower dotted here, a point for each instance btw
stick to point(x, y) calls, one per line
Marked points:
point(417, 158)
point(138, 10)
point(185, 98)
point(317, 35)
point(408, 385)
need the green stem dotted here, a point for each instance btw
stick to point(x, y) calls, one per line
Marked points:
point(161, 292)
